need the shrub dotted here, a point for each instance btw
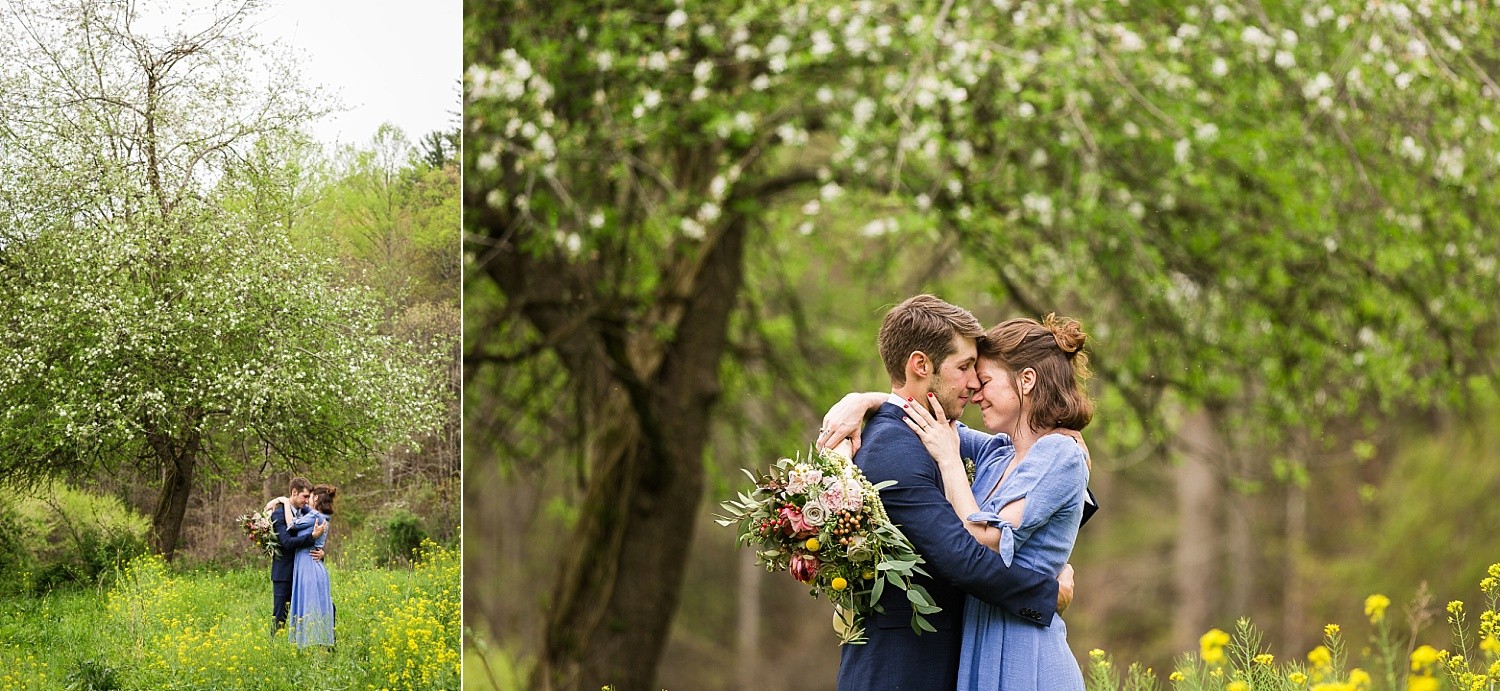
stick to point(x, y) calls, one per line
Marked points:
point(68, 537)
point(404, 533)
point(15, 559)
point(92, 675)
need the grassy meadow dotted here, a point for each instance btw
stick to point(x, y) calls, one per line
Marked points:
point(158, 628)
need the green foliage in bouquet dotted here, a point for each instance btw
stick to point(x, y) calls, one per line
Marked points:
point(820, 519)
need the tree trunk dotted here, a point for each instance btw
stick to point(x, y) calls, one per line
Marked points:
point(1195, 572)
point(1294, 634)
point(618, 592)
point(178, 459)
point(1240, 539)
point(747, 665)
point(613, 608)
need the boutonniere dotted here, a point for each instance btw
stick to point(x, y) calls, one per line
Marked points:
point(969, 469)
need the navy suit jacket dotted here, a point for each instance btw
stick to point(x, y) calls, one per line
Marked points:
point(281, 567)
point(895, 657)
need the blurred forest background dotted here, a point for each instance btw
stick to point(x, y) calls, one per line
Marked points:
point(685, 220)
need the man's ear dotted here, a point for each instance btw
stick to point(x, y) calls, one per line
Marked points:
point(918, 365)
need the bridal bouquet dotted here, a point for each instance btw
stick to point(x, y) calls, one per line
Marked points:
point(821, 520)
point(257, 527)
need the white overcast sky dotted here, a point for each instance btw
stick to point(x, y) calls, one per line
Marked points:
point(388, 60)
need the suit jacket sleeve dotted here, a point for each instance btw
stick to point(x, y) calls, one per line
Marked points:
point(284, 534)
point(917, 505)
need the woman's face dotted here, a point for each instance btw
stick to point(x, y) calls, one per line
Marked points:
point(998, 401)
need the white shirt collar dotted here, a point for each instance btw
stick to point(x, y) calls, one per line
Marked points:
point(897, 401)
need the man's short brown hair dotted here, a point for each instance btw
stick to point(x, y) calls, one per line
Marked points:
point(926, 323)
point(299, 484)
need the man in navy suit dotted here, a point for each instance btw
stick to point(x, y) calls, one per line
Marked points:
point(281, 566)
point(928, 346)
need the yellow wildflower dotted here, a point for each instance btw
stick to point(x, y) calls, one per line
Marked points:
point(1423, 657)
point(1211, 646)
point(1265, 659)
point(1456, 607)
point(1237, 686)
point(1297, 678)
point(1320, 656)
point(1490, 645)
point(1176, 677)
point(1096, 654)
point(1375, 607)
point(1488, 584)
point(1359, 678)
point(1330, 629)
point(1421, 684)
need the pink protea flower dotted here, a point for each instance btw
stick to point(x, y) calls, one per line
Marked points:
point(804, 567)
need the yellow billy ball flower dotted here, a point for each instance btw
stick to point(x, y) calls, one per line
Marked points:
point(813, 544)
point(1375, 607)
point(1423, 657)
point(839, 583)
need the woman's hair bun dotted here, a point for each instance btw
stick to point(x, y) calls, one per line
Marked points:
point(1067, 331)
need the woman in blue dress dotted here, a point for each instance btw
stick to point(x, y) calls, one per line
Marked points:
point(1026, 499)
point(310, 615)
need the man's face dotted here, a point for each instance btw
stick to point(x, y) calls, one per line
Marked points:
point(299, 498)
point(955, 382)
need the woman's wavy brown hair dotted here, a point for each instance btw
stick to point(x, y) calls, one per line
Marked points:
point(1053, 348)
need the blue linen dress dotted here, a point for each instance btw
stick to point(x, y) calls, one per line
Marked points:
point(1000, 650)
point(310, 615)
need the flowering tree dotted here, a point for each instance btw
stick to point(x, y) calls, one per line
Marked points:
point(156, 315)
point(1274, 215)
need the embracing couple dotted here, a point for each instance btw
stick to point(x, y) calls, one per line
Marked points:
point(299, 581)
point(996, 545)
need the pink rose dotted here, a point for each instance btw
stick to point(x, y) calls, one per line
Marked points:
point(796, 525)
point(804, 567)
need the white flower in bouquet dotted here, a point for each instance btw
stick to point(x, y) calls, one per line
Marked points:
point(815, 512)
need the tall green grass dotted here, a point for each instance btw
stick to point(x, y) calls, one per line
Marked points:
point(156, 628)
